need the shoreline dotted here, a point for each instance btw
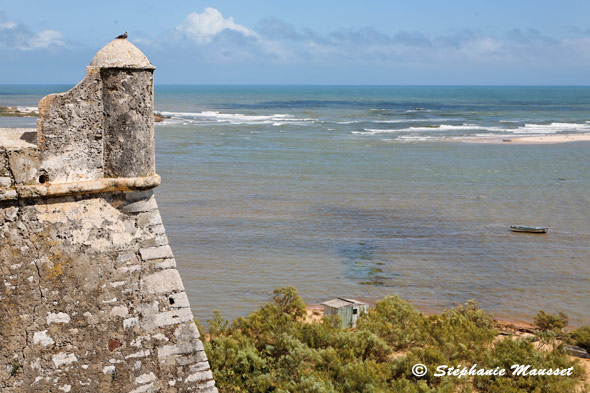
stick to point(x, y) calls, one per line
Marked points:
point(503, 319)
point(529, 140)
point(316, 311)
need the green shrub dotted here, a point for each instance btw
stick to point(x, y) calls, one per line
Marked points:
point(581, 337)
point(218, 325)
point(509, 352)
point(311, 384)
point(289, 302)
point(274, 350)
point(461, 333)
point(555, 322)
point(396, 322)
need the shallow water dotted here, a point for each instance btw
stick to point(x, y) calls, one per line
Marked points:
point(427, 221)
point(366, 191)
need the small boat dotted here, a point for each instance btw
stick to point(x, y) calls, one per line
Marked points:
point(520, 228)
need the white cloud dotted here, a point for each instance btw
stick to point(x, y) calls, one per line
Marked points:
point(220, 40)
point(16, 36)
point(44, 39)
point(7, 25)
point(580, 45)
point(206, 25)
point(142, 41)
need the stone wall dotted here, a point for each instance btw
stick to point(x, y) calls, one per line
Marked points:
point(90, 299)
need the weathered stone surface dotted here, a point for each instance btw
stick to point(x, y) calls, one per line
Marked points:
point(71, 128)
point(90, 299)
point(129, 123)
point(166, 319)
point(156, 253)
point(165, 264)
point(5, 181)
point(24, 166)
point(178, 300)
point(87, 187)
point(164, 281)
point(67, 279)
point(121, 54)
point(140, 206)
point(149, 218)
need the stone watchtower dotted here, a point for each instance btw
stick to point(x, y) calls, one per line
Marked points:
point(91, 300)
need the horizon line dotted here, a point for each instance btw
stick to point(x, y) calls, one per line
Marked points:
point(318, 85)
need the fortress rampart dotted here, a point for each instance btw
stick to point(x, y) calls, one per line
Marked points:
point(90, 299)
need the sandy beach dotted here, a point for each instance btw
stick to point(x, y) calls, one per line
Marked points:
point(531, 140)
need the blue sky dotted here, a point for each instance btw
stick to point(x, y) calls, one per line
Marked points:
point(306, 42)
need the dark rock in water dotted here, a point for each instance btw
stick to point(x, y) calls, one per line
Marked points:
point(577, 351)
point(158, 117)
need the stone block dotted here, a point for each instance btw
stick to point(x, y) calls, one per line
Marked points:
point(183, 360)
point(127, 257)
point(130, 322)
point(166, 318)
point(165, 281)
point(159, 252)
point(63, 358)
point(178, 300)
point(108, 370)
point(42, 338)
point(140, 206)
point(135, 196)
point(155, 241)
point(5, 182)
point(166, 264)
point(119, 311)
point(199, 376)
point(140, 354)
point(157, 230)
point(149, 218)
point(179, 349)
point(8, 194)
point(186, 332)
point(60, 317)
point(145, 378)
point(200, 366)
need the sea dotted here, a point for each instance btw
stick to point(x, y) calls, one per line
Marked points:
point(368, 191)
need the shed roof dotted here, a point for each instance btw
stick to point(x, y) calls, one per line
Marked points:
point(342, 302)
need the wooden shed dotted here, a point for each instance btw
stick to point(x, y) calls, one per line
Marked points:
point(348, 310)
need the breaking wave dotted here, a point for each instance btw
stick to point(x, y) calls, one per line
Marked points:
point(214, 117)
point(528, 129)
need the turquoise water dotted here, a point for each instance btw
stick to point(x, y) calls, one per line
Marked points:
point(369, 191)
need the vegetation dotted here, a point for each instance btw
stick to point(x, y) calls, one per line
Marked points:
point(274, 349)
point(581, 337)
point(15, 367)
point(551, 322)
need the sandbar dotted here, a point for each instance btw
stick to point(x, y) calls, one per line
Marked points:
point(530, 140)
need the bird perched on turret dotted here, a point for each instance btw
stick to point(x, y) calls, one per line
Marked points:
point(122, 36)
